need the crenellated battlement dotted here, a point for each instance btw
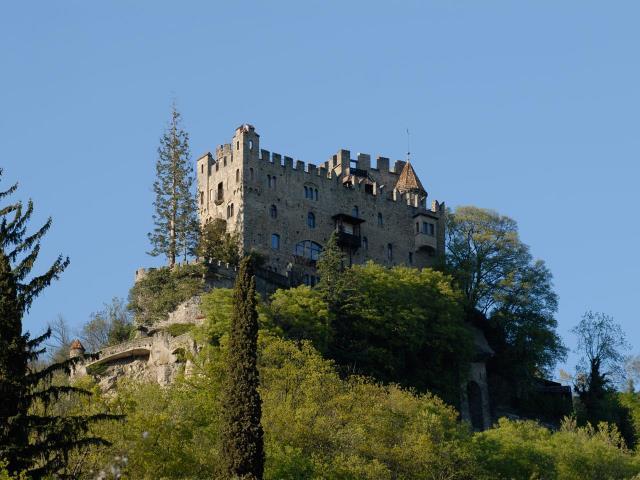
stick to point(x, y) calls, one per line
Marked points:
point(286, 208)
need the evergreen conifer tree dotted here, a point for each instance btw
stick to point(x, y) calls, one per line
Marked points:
point(176, 227)
point(242, 434)
point(37, 444)
point(331, 271)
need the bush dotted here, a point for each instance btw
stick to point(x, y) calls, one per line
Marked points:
point(177, 329)
point(157, 294)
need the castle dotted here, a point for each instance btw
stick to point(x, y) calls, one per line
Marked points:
point(287, 211)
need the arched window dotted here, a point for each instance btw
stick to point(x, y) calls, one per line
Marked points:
point(308, 249)
point(237, 175)
point(417, 227)
point(365, 243)
point(273, 211)
point(410, 258)
point(306, 192)
point(316, 192)
point(251, 173)
point(224, 161)
point(380, 222)
point(389, 252)
point(275, 241)
point(251, 145)
point(273, 182)
point(311, 220)
point(269, 181)
point(354, 211)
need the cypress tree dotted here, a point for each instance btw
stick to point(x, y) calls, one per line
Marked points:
point(242, 434)
point(176, 227)
point(37, 444)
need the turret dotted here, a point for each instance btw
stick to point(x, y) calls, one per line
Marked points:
point(76, 349)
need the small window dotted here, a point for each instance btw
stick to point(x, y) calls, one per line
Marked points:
point(275, 241)
point(202, 168)
point(220, 194)
point(389, 252)
point(306, 192)
point(365, 243)
point(432, 229)
point(201, 198)
point(230, 210)
point(417, 227)
point(380, 221)
point(251, 173)
point(217, 166)
point(316, 192)
point(251, 145)
point(311, 220)
point(237, 175)
point(354, 211)
point(269, 181)
point(224, 161)
point(237, 146)
point(273, 211)
point(410, 258)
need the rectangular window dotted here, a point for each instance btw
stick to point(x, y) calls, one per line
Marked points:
point(275, 241)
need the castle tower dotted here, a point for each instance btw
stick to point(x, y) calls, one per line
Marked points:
point(408, 182)
point(76, 349)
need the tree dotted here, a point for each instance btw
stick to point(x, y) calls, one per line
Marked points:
point(601, 342)
point(176, 224)
point(400, 320)
point(109, 326)
point(218, 244)
point(483, 252)
point(242, 434)
point(502, 282)
point(331, 271)
point(36, 443)
point(60, 340)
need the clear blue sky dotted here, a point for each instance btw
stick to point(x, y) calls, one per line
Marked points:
point(529, 108)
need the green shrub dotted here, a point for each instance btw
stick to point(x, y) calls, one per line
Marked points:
point(177, 329)
point(157, 294)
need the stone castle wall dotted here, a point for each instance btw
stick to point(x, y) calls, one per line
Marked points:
point(244, 185)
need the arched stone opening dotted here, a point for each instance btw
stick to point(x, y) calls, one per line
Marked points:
point(474, 399)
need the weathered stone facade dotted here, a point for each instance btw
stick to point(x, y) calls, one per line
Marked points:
point(287, 210)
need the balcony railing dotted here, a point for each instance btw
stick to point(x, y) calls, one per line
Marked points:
point(348, 240)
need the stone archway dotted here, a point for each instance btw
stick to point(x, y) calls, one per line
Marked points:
point(474, 399)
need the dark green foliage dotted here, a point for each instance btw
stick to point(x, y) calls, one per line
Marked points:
point(398, 321)
point(176, 213)
point(501, 282)
point(34, 442)
point(242, 434)
point(216, 244)
point(333, 283)
point(162, 290)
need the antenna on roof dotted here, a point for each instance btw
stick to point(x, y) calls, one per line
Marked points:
point(408, 146)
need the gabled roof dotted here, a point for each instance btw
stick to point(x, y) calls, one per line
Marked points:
point(409, 181)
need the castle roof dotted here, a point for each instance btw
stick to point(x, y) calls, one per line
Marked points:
point(76, 345)
point(409, 181)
